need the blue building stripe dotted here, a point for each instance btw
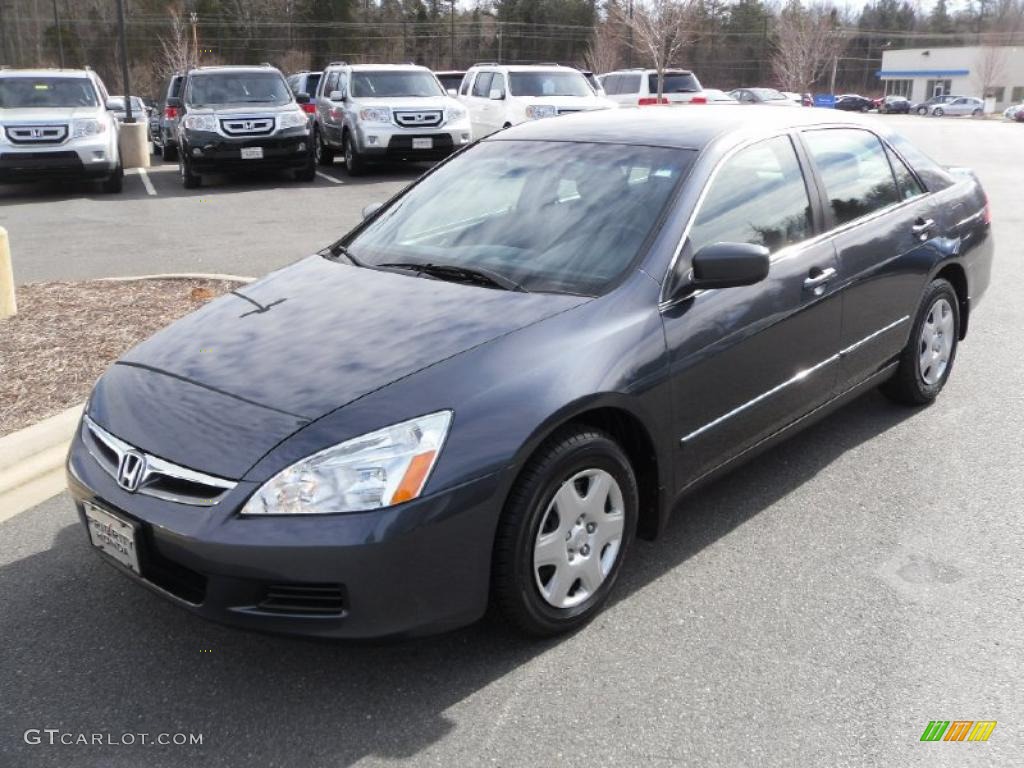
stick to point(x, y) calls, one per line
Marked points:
point(923, 72)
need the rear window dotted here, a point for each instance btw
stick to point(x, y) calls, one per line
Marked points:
point(675, 82)
point(311, 83)
point(553, 83)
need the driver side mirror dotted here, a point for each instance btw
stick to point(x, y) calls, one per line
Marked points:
point(728, 265)
point(497, 94)
point(371, 209)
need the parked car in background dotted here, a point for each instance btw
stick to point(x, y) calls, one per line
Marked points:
point(1010, 113)
point(924, 107)
point(165, 141)
point(852, 102)
point(305, 82)
point(451, 79)
point(595, 83)
point(375, 112)
point(962, 105)
point(766, 96)
point(237, 118)
point(639, 87)
point(891, 105)
point(499, 96)
point(715, 96)
point(488, 389)
point(140, 113)
point(796, 98)
point(54, 124)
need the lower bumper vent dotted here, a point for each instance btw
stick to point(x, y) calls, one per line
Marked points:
point(304, 599)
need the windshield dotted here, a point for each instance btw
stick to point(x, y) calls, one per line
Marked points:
point(552, 216)
point(768, 94)
point(548, 84)
point(43, 92)
point(675, 82)
point(394, 84)
point(238, 88)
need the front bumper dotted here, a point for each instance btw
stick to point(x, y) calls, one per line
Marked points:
point(417, 568)
point(391, 142)
point(211, 152)
point(94, 158)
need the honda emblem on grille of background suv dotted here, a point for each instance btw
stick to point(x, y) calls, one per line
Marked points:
point(130, 470)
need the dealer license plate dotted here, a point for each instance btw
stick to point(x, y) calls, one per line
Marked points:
point(113, 536)
point(422, 143)
point(252, 153)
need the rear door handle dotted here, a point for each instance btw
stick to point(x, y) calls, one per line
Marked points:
point(819, 276)
point(922, 226)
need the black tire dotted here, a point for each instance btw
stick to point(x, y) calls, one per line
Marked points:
point(514, 584)
point(938, 112)
point(114, 183)
point(307, 172)
point(922, 110)
point(355, 165)
point(168, 152)
point(323, 153)
point(189, 179)
point(907, 386)
point(977, 113)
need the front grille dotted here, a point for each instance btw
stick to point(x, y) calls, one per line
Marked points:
point(419, 118)
point(36, 134)
point(247, 126)
point(304, 599)
point(154, 476)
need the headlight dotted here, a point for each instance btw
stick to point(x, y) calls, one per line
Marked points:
point(200, 123)
point(87, 126)
point(537, 111)
point(455, 113)
point(292, 120)
point(375, 470)
point(371, 115)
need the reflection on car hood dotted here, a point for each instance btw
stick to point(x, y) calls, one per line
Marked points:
point(317, 335)
point(47, 114)
point(407, 102)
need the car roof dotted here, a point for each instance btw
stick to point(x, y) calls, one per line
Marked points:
point(681, 127)
point(379, 67)
point(212, 70)
point(525, 67)
point(668, 71)
point(45, 72)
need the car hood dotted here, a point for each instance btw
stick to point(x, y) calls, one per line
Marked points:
point(218, 389)
point(241, 109)
point(47, 114)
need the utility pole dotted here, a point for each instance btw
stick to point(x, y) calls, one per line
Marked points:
point(60, 36)
point(629, 47)
point(194, 18)
point(451, 40)
point(499, 42)
point(128, 117)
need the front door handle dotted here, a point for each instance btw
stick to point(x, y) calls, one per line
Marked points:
point(922, 227)
point(819, 276)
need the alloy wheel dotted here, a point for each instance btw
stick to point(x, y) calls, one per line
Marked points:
point(936, 342)
point(579, 538)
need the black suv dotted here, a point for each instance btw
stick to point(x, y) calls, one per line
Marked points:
point(239, 118)
point(165, 126)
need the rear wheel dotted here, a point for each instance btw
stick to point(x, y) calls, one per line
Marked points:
point(927, 360)
point(922, 110)
point(976, 113)
point(565, 532)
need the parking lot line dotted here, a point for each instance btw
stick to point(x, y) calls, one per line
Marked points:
point(330, 178)
point(150, 189)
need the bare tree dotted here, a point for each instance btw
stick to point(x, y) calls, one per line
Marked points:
point(661, 29)
point(989, 68)
point(808, 44)
point(176, 54)
point(604, 48)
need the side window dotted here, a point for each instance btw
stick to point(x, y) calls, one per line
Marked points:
point(906, 182)
point(497, 82)
point(482, 85)
point(759, 197)
point(331, 82)
point(630, 84)
point(855, 171)
point(466, 80)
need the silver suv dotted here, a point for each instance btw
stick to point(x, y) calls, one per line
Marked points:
point(54, 123)
point(370, 112)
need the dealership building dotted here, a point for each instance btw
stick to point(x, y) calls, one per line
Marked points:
point(920, 73)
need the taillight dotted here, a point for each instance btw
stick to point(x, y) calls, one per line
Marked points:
point(308, 108)
point(170, 112)
point(646, 101)
point(699, 100)
point(986, 215)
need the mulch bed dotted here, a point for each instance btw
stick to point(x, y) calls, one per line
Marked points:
point(66, 334)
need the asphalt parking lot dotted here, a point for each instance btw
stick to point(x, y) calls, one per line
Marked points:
point(816, 608)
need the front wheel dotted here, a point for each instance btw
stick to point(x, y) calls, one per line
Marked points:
point(354, 163)
point(925, 363)
point(938, 111)
point(189, 179)
point(307, 172)
point(564, 532)
point(114, 183)
point(976, 113)
point(168, 152)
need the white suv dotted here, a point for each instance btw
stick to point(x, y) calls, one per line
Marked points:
point(500, 96)
point(639, 87)
point(54, 123)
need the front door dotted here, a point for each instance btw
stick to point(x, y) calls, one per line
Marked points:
point(747, 361)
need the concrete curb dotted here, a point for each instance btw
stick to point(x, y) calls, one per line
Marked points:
point(32, 462)
point(180, 276)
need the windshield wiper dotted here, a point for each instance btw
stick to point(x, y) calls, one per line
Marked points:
point(478, 275)
point(341, 250)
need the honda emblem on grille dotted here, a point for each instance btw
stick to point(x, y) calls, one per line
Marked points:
point(37, 133)
point(249, 125)
point(130, 470)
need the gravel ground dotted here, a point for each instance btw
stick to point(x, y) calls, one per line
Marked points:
point(66, 334)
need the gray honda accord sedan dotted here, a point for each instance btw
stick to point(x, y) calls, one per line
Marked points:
point(525, 359)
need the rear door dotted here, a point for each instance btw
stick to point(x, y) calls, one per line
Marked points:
point(479, 104)
point(747, 361)
point(329, 115)
point(884, 227)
